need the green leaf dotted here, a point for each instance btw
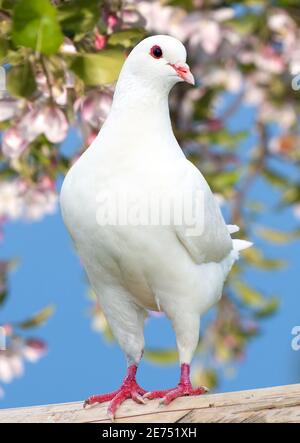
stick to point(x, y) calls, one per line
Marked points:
point(188, 5)
point(161, 356)
point(249, 295)
point(35, 26)
point(204, 377)
point(224, 180)
point(78, 17)
point(245, 24)
point(255, 258)
point(270, 307)
point(3, 296)
point(291, 196)
point(98, 69)
point(203, 107)
point(288, 3)
point(38, 319)
point(21, 80)
point(263, 307)
point(275, 236)
point(3, 48)
point(274, 178)
point(223, 138)
point(127, 37)
point(7, 4)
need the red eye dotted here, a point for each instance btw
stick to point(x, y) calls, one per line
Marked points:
point(156, 51)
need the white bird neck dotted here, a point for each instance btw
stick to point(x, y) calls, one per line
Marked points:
point(138, 127)
point(140, 105)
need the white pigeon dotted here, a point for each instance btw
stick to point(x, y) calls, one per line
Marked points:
point(115, 202)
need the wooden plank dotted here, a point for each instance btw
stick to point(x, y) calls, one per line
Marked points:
point(281, 403)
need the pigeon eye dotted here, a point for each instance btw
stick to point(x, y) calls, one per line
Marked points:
point(156, 51)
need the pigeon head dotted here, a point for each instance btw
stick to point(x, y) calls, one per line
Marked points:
point(159, 59)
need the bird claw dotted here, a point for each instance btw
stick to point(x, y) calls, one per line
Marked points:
point(129, 389)
point(161, 401)
point(168, 395)
point(138, 398)
point(111, 416)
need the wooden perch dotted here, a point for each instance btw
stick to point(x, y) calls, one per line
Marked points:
point(277, 404)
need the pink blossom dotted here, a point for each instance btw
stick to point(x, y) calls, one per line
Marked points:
point(68, 47)
point(281, 22)
point(100, 41)
point(54, 125)
point(294, 62)
point(41, 81)
point(132, 18)
point(223, 14)
point(10, 201)
point(88, 106)
point(162, 19)
point(47, 183)
point(39, 201)
point(296, 210)
point(209, 36)
point(8, 108)
point(8, 329)
point(17, 199)
point(60, 95)
point(254, 95)
point(49, 120)
point(285, 116)
point(11, 366)
point(6, 374)
point(246, 57)
point(203, 31)
point(13, 143)
point(230, 79)
point(31, 124)
point(269, 60)
point(95, 107)
point(12, 360)
point(16, 365)
point(34, 349)
point(112, 21)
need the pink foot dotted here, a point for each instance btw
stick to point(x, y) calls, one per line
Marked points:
point(129, 389)
point(183, 388)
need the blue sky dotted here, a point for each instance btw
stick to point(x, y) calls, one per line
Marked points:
point(80, 362)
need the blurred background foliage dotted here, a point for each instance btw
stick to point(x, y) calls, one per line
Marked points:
point(61, 60)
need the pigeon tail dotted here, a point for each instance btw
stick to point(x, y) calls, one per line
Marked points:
point(238, 245)
point(232, 228)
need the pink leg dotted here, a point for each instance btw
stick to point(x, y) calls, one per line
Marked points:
point(183, 388)
point(128, 389)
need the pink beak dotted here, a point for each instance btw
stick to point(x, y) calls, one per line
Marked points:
point(183, 71)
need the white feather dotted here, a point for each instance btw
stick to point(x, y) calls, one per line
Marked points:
point(240, 245)
point(232, 229)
